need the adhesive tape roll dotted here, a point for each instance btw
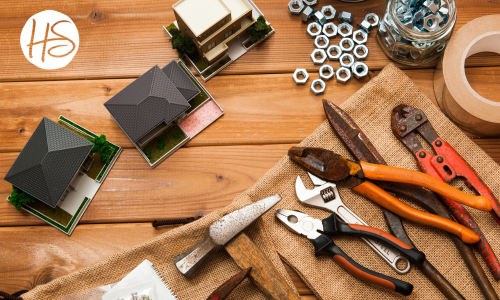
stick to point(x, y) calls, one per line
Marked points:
point(456, 98)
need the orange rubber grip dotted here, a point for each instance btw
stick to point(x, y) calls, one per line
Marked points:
point(384, 199)
point(386, 173)
point(383, 234)
point(361, 274)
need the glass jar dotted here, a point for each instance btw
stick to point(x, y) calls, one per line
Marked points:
point(414, 46)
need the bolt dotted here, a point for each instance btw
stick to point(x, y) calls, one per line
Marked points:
point(440, 159)
point(438, 143)
point(418, 117)
point(422, 154)
point(403, 128)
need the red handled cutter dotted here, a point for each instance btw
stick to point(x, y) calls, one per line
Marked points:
point(446, 165)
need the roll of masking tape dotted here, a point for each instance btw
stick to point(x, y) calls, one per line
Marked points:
point(456, 98)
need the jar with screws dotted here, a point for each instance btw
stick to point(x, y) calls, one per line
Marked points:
point(414, 32)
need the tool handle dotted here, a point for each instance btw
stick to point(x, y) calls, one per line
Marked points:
point(384, 199)
point(324, 245)
point(386, 173)
point(332, 226)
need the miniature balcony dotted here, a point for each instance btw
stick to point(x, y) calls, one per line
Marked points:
point(218, 50)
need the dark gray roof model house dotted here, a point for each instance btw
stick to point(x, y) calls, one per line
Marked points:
point(181, 80)
point(147, 102)
point(49, 162)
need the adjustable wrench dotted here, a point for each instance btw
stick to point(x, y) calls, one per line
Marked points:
point(326, 196)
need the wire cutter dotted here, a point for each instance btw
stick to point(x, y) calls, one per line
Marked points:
point(447, 164)
point(313, 229)
point(330, 166)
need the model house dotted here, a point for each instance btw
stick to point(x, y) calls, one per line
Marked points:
point(162, 110)
point(50, 162)
point(213, 24)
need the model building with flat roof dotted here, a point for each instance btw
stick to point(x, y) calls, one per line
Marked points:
point(213, 24)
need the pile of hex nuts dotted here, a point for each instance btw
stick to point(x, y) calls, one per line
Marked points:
point(350, 51)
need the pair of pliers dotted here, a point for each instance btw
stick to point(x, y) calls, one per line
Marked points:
point(446, 165)
point(317, 230)
point(330, 166)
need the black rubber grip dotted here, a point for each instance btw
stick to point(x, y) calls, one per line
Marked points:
point(332, 226)
point(324, 245)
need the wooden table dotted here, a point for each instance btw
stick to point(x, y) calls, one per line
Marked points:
point(265, 113)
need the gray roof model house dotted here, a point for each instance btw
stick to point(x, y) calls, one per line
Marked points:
point(158, 96)
point(49, 162)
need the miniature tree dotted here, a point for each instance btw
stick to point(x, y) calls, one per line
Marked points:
point(161, 143)
point(148, 154)
point(101, 145)
point(259, 29)
point(18, 198)
point(181, 43)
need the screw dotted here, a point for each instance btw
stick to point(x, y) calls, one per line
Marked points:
point(418, 117)
point(438, 143)
point(440, 159)
point(422, 154)
point(403, 128)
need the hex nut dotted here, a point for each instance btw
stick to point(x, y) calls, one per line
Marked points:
point(310, 2)
point(319, 17)
point(431, 23)
point(341, 71)
point(348, 41)
point(346, 17)
point(360, 48)
point(295, 11)
point(345, 26)
point(306, 14)
point(302, 72)
point(359, 70)
point(365, 26)
point(346, 56)
point(360, 33)
point(431, 6)
point(331, 26)
point(310, 28)
point(330, 75)
point(444, 11)
point(315, 83)
point(328, 8)
point(325, 40)
point(331, 49)
point(374, 17)
point(318, 61)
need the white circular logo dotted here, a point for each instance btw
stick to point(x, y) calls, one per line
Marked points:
point(50, 40)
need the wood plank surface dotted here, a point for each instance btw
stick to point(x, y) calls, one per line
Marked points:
point(265, 114)
point(124, 38)
point(281, 112)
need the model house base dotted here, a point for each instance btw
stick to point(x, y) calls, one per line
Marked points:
point(82, 189)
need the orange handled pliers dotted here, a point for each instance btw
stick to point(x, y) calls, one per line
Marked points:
point(333, 167)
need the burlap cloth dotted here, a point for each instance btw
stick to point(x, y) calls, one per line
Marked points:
point(370, 107)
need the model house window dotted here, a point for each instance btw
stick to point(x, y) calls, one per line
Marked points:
point(211, 45)
point(222, 23)
point(228, 34)
point(207, 34)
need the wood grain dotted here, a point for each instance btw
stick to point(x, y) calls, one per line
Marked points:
point(49, 254)
point(193, 182)
point(264, 274)
point(280, 112)
point(124, 38)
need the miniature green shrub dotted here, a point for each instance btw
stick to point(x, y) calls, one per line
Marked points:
point(176, 136)
point(148, 154)
point(101, 145)
point(161, 143)
point(259, 29)
point(18, 198)
point(181, 43)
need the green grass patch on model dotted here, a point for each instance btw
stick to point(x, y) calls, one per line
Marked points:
point(56, 214)
point(201, 97)
point(217, 67)
point(172, 137)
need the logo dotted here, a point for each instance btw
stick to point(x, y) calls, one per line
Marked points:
point(49, 40)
